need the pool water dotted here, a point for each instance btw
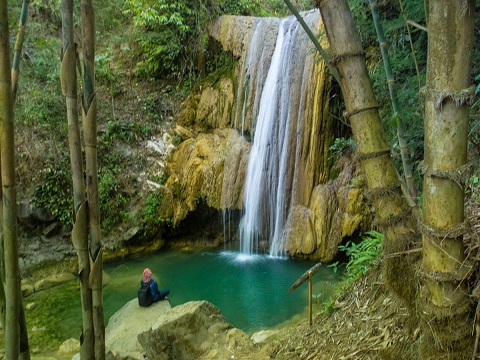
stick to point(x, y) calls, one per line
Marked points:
point(252, 292)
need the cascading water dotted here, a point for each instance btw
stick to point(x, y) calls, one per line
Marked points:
point(272, 162)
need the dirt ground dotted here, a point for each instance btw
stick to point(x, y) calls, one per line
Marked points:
point(369, 321)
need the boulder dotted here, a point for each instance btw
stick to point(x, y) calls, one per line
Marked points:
point(53, 280)
point(195, 330)
point(261, 337)
point(124, 326)
point(69, 347)
point(28, 214)
point(27, 290)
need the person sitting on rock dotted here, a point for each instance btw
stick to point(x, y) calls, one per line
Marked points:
point(156, 293)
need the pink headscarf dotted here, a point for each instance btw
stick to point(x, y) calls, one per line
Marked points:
point(147, 275)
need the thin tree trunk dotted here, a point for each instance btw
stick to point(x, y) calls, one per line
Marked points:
point(407, 165)
point(393, 214)
point(448, 91)
point(9, 221)
point(90, 137)
point(18, 47)
point(24, 343)
point(80, 226)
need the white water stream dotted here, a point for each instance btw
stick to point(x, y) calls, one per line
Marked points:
point(268, 187)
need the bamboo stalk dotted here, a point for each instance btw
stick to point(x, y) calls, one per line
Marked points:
point(18, 47)
point(407, 165)
point(310, 298)
point(446, 119)
point(9, 220)
point(15, 73)
point(80, 226)
point(380, 173)
point(90, 137)
point(411, 43)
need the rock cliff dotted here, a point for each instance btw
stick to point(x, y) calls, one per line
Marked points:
point(210, 163)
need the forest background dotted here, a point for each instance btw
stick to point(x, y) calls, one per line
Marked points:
point(144, 71)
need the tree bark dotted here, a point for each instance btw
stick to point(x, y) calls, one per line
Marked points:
point(80, 226)
point(394, 217)
point(18, 47)
point(9, 221)
point(90, 137)
point(447, 94)
point(407, 165)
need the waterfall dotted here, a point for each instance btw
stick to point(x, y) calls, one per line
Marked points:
point(272, 163)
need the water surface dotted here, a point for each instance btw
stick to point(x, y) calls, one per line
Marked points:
point(252, 291)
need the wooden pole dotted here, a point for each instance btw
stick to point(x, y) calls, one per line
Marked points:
point(310, 297)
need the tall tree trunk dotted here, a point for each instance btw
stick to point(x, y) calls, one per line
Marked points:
point(80, 226)
point(18, 47)
point(393, 214)
point(446, 309)
point(9, 221)
point(15, 73)
point(90, 137)
point(407, 165)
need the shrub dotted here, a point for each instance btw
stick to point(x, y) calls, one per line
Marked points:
point(55, 194)
point(364, 255)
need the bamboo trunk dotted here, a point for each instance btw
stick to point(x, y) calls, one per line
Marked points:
point(90, 137)
point(18, 47)
point(393, 214)
point(447, 94)
point(9, 221)
point(80, 226)
point(407, 165)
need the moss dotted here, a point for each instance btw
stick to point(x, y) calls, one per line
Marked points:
point(51, 320)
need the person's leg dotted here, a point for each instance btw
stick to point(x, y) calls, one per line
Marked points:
point(163, 294)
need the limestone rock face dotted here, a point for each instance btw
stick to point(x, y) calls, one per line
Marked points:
point(337, 209)
point(125, 325)
point(299, 237)
point(195, 330)
point(198, 170)
point(209, 166)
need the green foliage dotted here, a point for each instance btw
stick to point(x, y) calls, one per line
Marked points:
point(176, 139)
point(55, 193)
point(164, 27)
point(364, 255)
point(118, 130)
point(103, 70)
point(48, 9)
point(340, 148)
point(240, 7)
point(171, 34)
point(407, 81)
point(112, 199)
point(151, 217)
point(40, 103)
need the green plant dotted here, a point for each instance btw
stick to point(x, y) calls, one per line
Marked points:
point(103, 69)
point(112, 199)
point(118, 130)
point(151, 215)
point(55, 194)
point(339, 148)
point(362, 255)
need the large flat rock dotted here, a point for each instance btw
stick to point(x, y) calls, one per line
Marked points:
point(125, 325)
